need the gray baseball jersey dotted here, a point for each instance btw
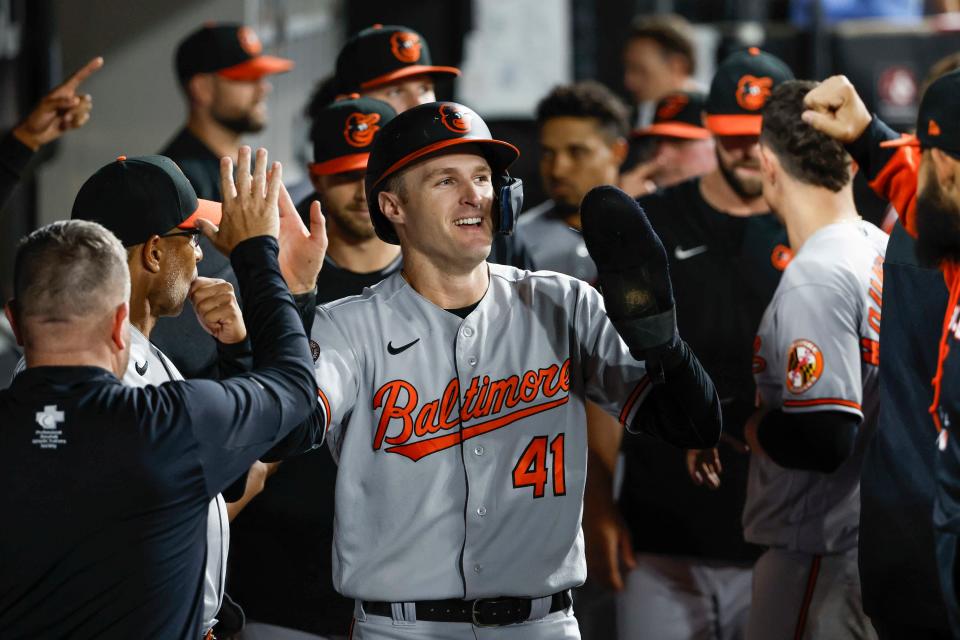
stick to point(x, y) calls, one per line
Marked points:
point(554, 245)
point(461, 442)
point(818, 349)
point(148, 366)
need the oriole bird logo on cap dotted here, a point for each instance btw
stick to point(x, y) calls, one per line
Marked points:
point(752, 92)
point(454, 119)
point(405, 46)
point(672, 105)
point(933, 129)
point(249, 41)
point(360, 128)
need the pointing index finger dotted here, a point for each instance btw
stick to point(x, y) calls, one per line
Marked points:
point(81, 74)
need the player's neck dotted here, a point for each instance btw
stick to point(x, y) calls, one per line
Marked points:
point(718, 193)
point(220, 140)
point(808, 209)
point(445, 287)
point(359, 255)
point(141, 316)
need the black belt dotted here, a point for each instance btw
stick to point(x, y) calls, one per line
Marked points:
point(485, 612)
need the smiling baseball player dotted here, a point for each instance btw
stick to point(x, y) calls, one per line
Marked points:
point(454, 392)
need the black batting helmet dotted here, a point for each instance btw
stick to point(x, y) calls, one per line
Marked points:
point(424, 129)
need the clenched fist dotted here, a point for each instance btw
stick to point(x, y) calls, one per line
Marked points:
point(216, 305)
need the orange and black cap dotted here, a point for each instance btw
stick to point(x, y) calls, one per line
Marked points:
point(140, 197)
point(740, 88)
point(382, 54)
point(230, 50)
point(937, 124)
point(343, 133)
point(418, 133)
point(678, 115)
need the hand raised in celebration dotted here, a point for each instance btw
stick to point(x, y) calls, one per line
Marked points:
point(250, 205)
point(835, 108)
point(217, 310)
point(58, 111)
point(301, 251)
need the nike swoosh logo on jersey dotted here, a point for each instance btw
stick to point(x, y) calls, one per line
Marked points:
point(392, 350)
point(136, 365)
point(684, 254)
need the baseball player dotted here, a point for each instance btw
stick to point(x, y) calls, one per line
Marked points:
point(393, 63)
point(223, 73)
point(727, 253)
point(902, 591)
point(390, 63)
point(815, 364)
point(110, 485)
point(682, 147)
point(286, 534)
point(163, 251)
point(454, 392)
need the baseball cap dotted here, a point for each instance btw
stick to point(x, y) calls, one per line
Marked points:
point(937, 123)
point(381, 54)
point(343, 134)
point(139, 197)
point(739, 90)
point(230, 50)
point(678, 115)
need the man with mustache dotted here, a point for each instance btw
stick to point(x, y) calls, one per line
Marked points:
point(908, 590)
point(726, 253)
point(222, 71)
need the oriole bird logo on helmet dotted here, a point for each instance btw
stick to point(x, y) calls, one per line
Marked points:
point(454, 119)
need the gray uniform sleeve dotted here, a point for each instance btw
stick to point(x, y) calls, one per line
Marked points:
point(614, 380)
point(818, 330)
point(337, 370)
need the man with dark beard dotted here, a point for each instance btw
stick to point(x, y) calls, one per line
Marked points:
point(908, 590)
point(726, 253)
point(222, 71)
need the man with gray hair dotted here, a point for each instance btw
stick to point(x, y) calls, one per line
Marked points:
point(113, 482)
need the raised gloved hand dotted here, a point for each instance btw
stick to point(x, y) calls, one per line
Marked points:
point(633, 272)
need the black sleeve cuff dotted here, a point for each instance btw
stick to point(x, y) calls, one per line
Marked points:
point(249, 253)
point(864, 147)
point(14, 155)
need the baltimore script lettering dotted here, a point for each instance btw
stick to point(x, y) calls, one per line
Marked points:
point(483, 398)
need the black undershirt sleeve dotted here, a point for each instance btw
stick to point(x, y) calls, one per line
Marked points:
point(683, 408)
point(14, 157)
point(814, 441)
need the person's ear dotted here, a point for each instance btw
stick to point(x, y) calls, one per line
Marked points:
point(117, 333)
point(769, 166)
point(10, 310)
point(391, 207)
point(317, 182)
point(151, 254)
point(200, 89)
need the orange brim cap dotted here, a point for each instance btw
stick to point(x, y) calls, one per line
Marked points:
point(206, 209)
point(256, 68)
point(734, 124)
point(682, 130)
point(406, 72)
point(343, 164)
point(905, 140)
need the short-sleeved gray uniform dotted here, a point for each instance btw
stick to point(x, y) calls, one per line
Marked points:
point(817, 349)
point(461, 442)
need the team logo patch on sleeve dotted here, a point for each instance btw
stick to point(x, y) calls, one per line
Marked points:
point(804, 366)
point(314, 350)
